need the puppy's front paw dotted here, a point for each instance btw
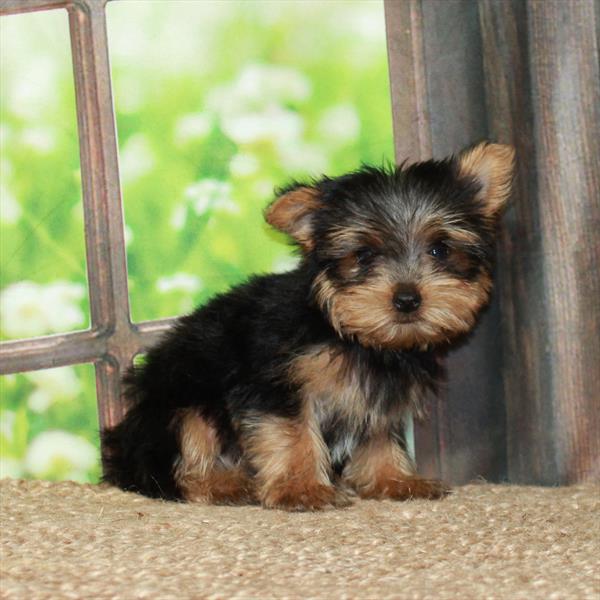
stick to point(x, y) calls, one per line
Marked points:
point(407, 489)
point(417, 487)
point(305, 496)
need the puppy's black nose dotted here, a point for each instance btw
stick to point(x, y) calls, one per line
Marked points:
point(407, 299)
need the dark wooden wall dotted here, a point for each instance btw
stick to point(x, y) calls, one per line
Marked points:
point(523, 400)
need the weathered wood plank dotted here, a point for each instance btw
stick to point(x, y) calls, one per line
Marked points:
point(464, 436)
point(471, 419)
point(543, 90)
point(404, 31)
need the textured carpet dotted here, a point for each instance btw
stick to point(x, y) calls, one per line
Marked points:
point(484, 541)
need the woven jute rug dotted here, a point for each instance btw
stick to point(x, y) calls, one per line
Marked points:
point(65, 540)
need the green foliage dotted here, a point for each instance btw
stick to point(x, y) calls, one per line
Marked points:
point(49, 424)
point(217, 103)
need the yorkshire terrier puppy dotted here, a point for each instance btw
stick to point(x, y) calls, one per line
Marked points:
point(290, 390)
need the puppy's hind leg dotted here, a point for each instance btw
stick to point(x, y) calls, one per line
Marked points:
point(203, 473)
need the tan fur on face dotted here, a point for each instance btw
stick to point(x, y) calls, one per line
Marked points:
point(450, 305)
point(366, 312)
point(201, 474)
point(441, 227)
point(291, 213)
point(345, 242)
point(492, 166)
point(380, 468)
point(362, 311)
point(347, 237)
point(292, 462)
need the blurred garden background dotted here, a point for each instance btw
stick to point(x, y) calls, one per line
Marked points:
point(217, 104)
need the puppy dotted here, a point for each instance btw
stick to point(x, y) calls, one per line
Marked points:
point(290, 390)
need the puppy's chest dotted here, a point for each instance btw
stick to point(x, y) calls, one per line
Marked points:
point(345, 392)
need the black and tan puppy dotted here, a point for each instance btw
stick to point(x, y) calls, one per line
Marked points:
point(291, 389)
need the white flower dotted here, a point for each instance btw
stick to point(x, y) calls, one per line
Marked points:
point(259, 86)
point(22, 312)
point(136, 158)
point(7, 424)
point(40, 400)
point(285, 263)
point(263, 188)
point(368, 22)
point(128, 235)
point(62, 305)
point(52, 384)
point(183, 282)
point(204, 196)
point(260, 83)
point(340, 124)
point(59, 451)
point(39, 138)
point(220, 101)
point(210, 194)
point(192, 127)
point(243, 165)
point(178, 216)
point(251, 108)
point(9, 467)
point(29, 309)
point(299, 157)
point(34, 90)
point(272, 124)
point(10, 209)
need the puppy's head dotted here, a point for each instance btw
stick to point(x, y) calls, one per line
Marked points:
point(403, 256)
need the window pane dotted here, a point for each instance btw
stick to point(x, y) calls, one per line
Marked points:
point(49, 425)
point(218, 103)
point(42, 251)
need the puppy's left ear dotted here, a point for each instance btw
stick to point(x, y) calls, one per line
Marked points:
point(293, 213)
point(492, 167)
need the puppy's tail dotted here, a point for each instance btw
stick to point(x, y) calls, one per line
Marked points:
point(138, 454)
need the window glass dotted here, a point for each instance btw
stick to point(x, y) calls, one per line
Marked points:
point(218, 103)
point(43, 285)
point(49, 425)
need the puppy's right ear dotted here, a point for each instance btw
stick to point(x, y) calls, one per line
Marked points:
point(293, 213)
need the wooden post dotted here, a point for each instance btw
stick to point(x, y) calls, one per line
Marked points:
point(543, 90)
point(464, 436)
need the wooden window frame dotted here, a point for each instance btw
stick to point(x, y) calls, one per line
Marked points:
point(112, 341)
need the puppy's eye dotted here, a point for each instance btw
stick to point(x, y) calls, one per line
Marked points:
point(365, 256)
point(439, 250)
